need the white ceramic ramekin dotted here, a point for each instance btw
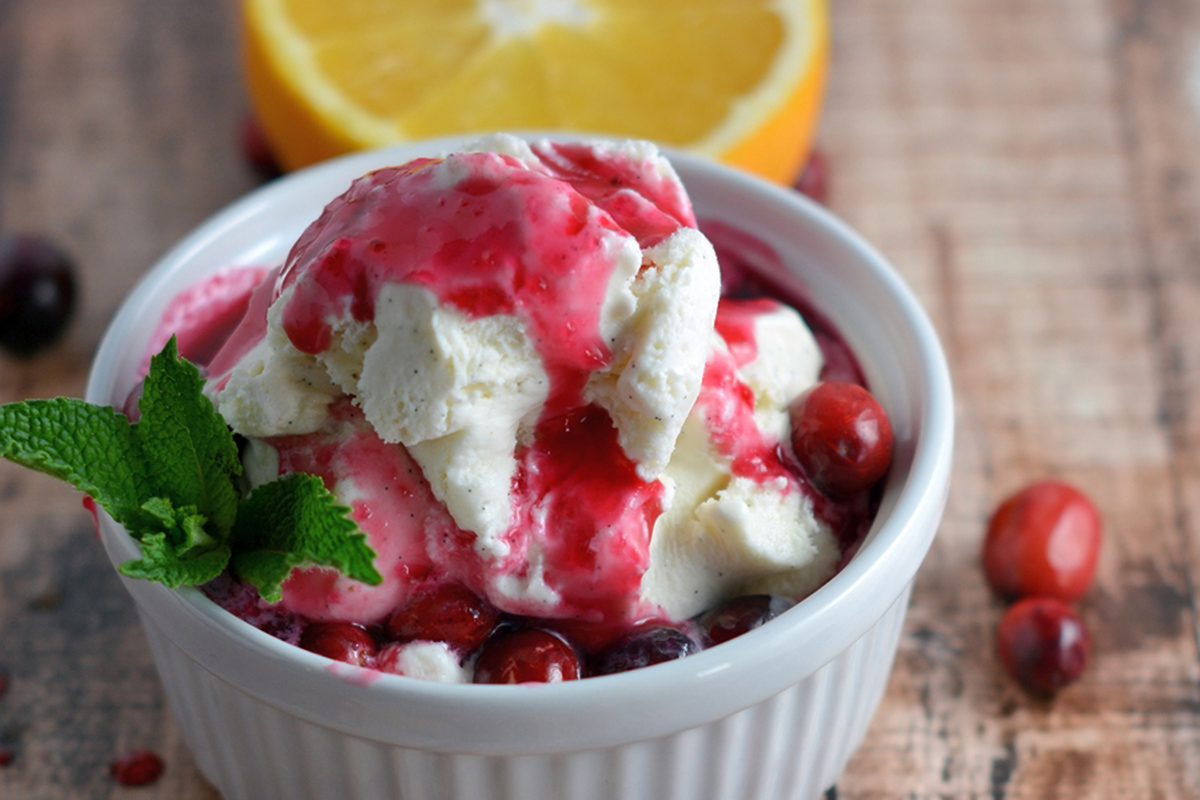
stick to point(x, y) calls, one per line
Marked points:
point(771, 715)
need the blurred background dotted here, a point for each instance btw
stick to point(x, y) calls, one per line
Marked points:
point(1031, 168)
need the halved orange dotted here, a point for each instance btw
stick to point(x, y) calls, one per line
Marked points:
point(737, 80)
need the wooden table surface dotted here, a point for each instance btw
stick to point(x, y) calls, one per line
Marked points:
point(1031, 166)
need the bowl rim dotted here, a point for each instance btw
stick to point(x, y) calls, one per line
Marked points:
point(721, 675)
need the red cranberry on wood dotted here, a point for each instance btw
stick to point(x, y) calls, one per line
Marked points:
point(448, 613)
point(1043, 643)
point(37, 293)
point(136, 768)
point(340, 641)
point(527, 655)
point(1044, 540)
point(642, 648)
point(737, 615)
point(841, 436)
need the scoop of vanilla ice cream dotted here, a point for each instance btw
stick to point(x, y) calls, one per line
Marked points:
point(437, 347)
point(463, 390)
point(725, 532)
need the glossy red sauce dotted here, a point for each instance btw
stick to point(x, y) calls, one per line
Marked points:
point(505, 240)
point(251, 328)
point(203, 316)
point(735, 323)
point(390, 500)
point(582, 496)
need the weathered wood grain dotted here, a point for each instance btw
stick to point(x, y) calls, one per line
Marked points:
point(118, 133)
point(1032, 168)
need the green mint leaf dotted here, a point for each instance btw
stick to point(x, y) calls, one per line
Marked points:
point(184, 527)
point(293, 521)
point(182, 552)
point(161, 562)
point(91, 447)
point(172, 480)
point(265, 570)
point(185, 442)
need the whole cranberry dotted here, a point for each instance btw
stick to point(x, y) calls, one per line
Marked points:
point(527, 655)
point(340, 641)
point(1043, 643)
point(737, 615)
point(136, 768)
point(1044, 540)
point(814, 178)
point(37, 293)
point(841, 436)
point(642, 648)
point(448, 612)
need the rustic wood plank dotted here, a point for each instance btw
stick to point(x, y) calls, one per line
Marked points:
point(118, 127)
point(993, 151)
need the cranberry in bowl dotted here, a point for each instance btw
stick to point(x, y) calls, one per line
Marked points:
point(772, 712)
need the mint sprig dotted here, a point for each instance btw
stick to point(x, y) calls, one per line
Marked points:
point(286, 523)
point(171, 479)
point(186, 443)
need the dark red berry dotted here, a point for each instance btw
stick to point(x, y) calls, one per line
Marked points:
point(1043, 541)
point(528, 655)
point(814, 178)
point(4, 681)
point(37, 293)
point(6, 756)
point(738, 615)
point(645, 647)
point(841, 436)
point(448, 613)
point(256, 150)
point(1043, 643)
point(341, 641)
point(136, 768)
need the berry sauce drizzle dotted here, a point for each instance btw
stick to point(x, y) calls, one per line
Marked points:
point(753, 273)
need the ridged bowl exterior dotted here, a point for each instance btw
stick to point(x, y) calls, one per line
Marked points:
point(771, 715)
point(251, 750)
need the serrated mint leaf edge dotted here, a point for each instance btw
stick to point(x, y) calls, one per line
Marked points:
point(265, 570)
point(297, 515)
point(159, 562)
point(114, 474)
point(186, 443)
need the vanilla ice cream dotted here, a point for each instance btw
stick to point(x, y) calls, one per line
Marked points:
point(514, 365)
